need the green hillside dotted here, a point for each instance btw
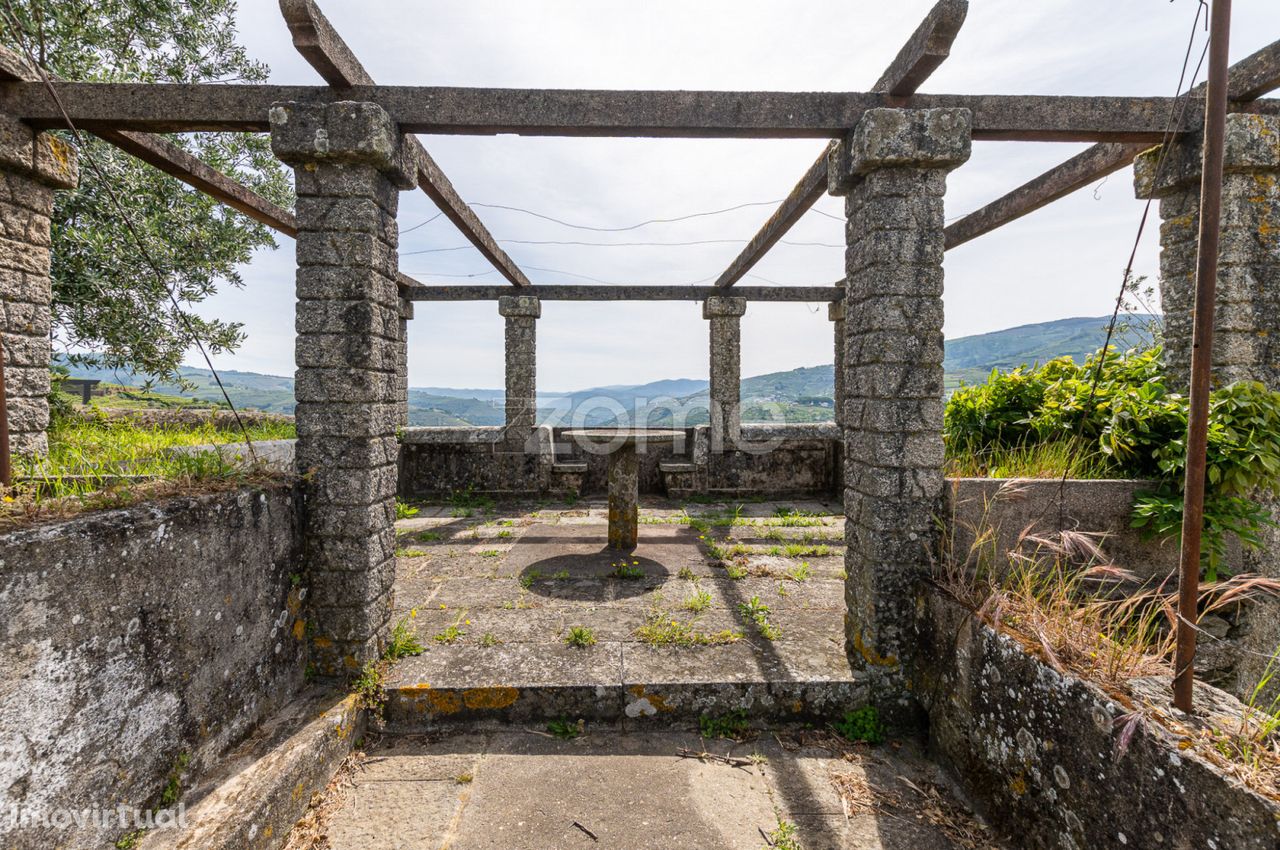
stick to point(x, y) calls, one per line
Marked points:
point(801, 395)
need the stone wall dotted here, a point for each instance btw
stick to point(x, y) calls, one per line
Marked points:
point(800, 460)
point(32, 165)
point(1040, 752)
point(137, 638)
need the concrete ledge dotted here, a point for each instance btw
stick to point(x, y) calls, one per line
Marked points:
point(1040, 751)
point(638, 685)
point(471, 435)
point(274, 455)
point(264, 786)
point(1011, 506)
point(757, 432)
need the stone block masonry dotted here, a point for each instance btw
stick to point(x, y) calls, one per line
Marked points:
point(32, 166)
point(725, 313)
point(892, 169)
point(1247, 323)
point(350, 163)
point(521, 313)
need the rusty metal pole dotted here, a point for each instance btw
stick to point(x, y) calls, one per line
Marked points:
point(1215, 119)
point(6, 473)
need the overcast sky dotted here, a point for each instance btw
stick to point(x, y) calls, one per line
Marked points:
point(1065, 260)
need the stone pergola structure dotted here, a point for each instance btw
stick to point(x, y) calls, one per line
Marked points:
point(351, 147)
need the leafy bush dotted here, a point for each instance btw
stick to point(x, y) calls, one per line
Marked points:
point(862, 724)
point(1130, 425)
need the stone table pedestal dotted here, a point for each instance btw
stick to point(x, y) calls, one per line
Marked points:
point(624, 476)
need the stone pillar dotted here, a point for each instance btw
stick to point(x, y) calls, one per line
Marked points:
point(892, 169)
point(1246, 342)
point(624, 503)
point(349, 164)
point(522, 313)
point(835, 314)
point(32, 166)
point(725, 314)
point(402, 361)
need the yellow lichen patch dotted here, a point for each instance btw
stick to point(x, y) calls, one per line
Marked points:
point(294, 602)
point(655, 700)
point(1018, 785)
point(298, 791)
point(489, 698)
point(443, 702)
point(797, 706)
point(268, 831)
point(350, 662)
point(300, 630)
point(322, 643)
point(870, 655)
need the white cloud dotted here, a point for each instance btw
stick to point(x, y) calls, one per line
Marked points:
point(1064, 260)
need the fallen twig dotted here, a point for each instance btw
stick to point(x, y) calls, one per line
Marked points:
point(732, 761)
point(588, 832)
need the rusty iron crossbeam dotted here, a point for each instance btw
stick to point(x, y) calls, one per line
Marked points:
point(1215, 120)
point(629, 292)
point(924, 51)
point(1249, 79)
point(195, 107)
point(322, 47)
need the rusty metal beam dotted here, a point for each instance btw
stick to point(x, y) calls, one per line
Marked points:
point(1248, 79)
point(924, 51)
point(600, 113)
point(322, 47)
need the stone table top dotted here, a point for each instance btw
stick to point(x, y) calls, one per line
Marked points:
point(628, 436)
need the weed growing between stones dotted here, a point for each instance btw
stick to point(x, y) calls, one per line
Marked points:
point(454, 631)
point(698, 602)
point(861, 725)
point(757, 612)
point(404, 510)
point(785, 837)
point(800, 572)
point(732, 726)
point(686, 574)
point(489, 639)
point(368, 687)
point(580, 636)
point(566, 731)
point(403, 641)
point(625, 571)
point(662, 629)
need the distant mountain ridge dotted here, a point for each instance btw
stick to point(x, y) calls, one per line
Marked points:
point(802, 394)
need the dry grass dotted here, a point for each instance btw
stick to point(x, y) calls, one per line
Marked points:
point(901, 798)
point(310, 831)
point(25, 509)
point(1062, 598)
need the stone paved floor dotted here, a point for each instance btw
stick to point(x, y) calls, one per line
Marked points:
point(495, 591)
point(516, 789)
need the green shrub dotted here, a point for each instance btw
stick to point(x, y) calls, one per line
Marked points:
point(1130, 425)
point(861, 724)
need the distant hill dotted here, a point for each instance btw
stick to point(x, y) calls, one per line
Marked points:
point(971, 358)
point(801, 395)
